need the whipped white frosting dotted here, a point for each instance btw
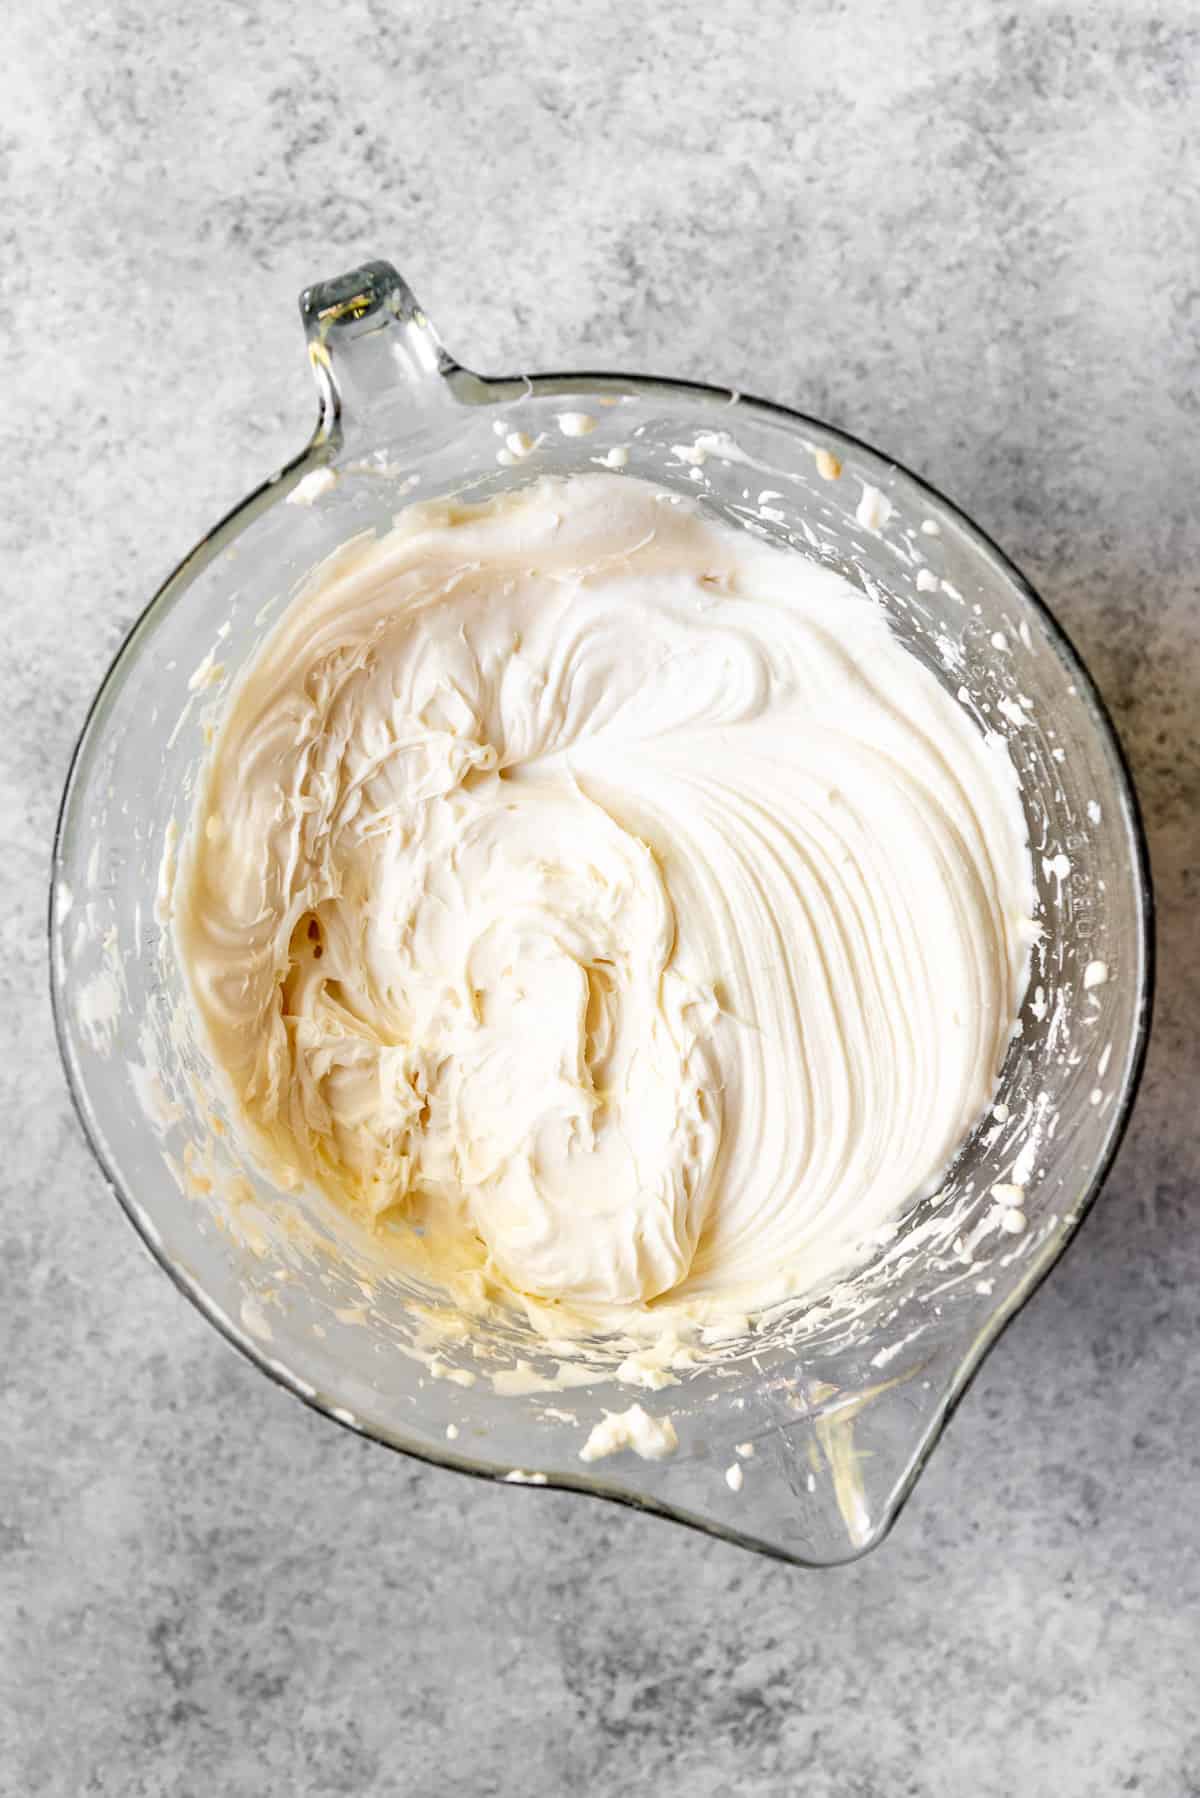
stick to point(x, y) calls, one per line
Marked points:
point(603, 903)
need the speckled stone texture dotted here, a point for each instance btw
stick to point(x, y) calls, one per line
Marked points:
point(965, 232)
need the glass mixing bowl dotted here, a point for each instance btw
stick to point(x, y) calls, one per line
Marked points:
point(829, 1410)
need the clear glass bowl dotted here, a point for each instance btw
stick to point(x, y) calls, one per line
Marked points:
point(840, 1402)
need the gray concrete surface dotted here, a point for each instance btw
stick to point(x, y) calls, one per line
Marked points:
point(966, 232)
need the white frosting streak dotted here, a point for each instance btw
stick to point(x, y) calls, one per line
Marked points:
point(607, 894)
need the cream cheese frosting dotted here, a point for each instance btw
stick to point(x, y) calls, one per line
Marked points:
point(602, 905)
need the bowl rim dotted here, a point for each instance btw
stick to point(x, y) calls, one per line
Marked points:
point(489, 390)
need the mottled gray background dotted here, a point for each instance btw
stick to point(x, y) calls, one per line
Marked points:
point(966, 232)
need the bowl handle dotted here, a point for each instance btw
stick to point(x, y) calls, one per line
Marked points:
point(371, 345)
